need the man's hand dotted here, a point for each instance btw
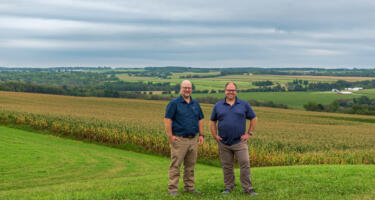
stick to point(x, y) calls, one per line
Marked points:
point(173, 139)
point(201, 140)
point(218, 138)
point(245, 137)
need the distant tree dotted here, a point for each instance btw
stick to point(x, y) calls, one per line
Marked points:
point(364, 100)
point(262, 83)
point(312, 106)
point(334, 106)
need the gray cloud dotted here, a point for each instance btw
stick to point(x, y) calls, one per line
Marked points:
point(211, 33)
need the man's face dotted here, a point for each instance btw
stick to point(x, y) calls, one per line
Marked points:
point(186, 90)
point(230, 92)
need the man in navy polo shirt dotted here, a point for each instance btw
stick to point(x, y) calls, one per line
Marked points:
point(183, 120)
point(232, 113)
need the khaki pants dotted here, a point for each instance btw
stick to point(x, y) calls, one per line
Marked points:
point(184, 150)
point(227, 157)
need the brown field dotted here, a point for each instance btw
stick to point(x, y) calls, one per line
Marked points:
point(282, 137)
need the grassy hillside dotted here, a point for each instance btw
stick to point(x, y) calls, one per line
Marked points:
point(282, 137)
point(294, 100)
point(36, 166)
point(243, 81)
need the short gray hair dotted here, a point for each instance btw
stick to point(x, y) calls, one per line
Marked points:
point(230, 82)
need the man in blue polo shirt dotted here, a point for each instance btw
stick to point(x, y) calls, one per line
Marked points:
point(232, 113)
point(183, 120)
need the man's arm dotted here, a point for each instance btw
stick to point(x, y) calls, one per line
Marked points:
point(247, 136)
point(168, 129)
point(214, 131)
point(201, 132)
point(253, 122)
point(201, 127)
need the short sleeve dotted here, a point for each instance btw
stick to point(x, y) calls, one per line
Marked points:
point(213, 114)
point(171, 110)
point(201, 116)
point(250, 114)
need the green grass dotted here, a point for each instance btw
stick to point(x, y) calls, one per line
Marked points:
point(200, 83)
point(294, 100)
point(243, 81)
point(37, 166)
point(177, 75)
point(369, 92)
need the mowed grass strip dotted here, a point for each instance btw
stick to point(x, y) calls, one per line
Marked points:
point(36, 166)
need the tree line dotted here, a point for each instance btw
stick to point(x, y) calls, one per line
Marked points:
point(362, 105)
point(70, 78)
point(108, 89)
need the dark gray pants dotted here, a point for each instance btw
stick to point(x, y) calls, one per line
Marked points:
point(227, 158)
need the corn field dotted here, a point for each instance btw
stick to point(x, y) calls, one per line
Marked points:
point(282, 137)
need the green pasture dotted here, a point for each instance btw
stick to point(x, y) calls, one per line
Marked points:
point(294, 100)
point(242, 81)
point(216, 83)
point(42, 166)
point(200, 83)
point(177, 75)
point(369, 92)
point(291, 78)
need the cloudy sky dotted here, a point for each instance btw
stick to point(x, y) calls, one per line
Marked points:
point(196, 33)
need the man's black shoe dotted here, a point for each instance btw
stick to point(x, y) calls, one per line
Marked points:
point(226, 191)
point(173, 193)
point(251, 192)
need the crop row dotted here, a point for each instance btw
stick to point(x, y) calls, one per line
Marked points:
point(155, 140)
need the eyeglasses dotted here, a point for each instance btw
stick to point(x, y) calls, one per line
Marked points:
point(231, 90)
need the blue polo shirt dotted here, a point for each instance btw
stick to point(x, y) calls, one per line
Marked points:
point(185, 116)
point(232, 119)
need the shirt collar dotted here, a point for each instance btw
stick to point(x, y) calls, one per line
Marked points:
point(181, 99)
point(235, 102)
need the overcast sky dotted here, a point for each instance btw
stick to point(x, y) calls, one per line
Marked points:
point(195, 33)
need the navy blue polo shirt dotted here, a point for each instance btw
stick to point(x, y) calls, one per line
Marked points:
point(185, 116)
point(232, 119)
